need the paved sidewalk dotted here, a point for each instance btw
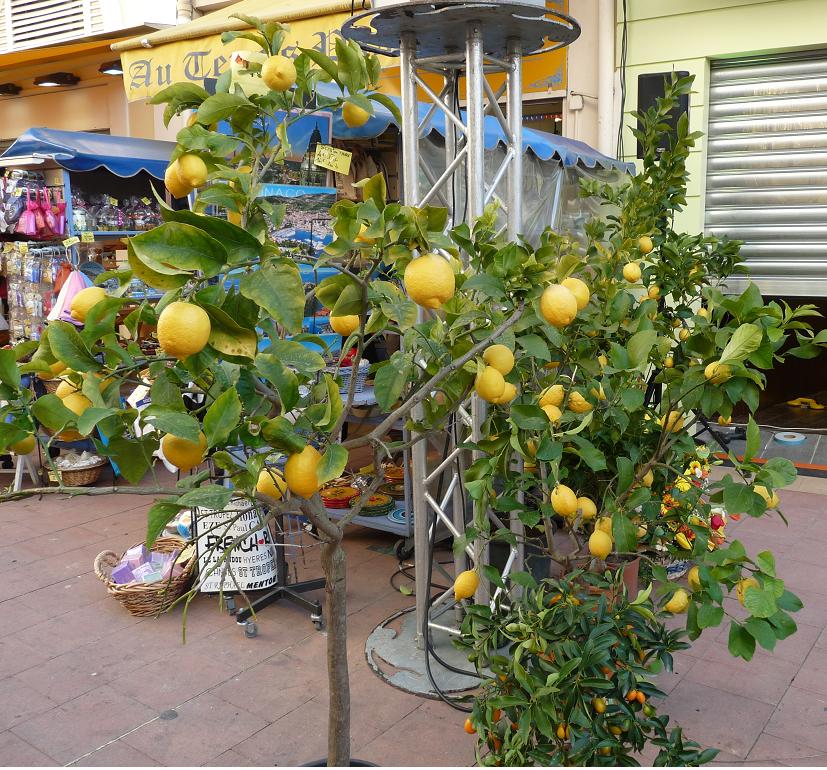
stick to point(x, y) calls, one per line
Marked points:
point(84, 683)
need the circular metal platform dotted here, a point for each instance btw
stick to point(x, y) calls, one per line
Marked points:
point(440, 27)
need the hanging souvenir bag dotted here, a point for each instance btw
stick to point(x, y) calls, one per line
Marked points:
point(61, 311)
point(60, 205)
point(27, 224)
point(48, 214)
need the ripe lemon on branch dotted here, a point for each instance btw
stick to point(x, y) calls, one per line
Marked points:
point(600, 544)
point(489, 384)
point(717, 373)
point(84, 301)
point(500, 357)
point(300, 472)
point(354, 116)
point(679, 602)
point(429, 281)
point(183, 329)
point(563, 500)
point(631, 272)
point(579, 289)
point(552, 395)
point(183, 453)
point(344, 324)
point(271, 482)
point(558, 305)
point(509, 394)
point(466, 584)
point(278, 73)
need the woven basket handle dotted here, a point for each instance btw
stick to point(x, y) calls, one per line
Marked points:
point(98, 565)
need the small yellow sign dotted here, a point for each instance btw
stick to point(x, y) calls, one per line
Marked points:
point(7, 247)
point(71, 241)
point(87, 237)
point(113, 201)
point(333, 158)
point(23, 248)
point(145, 201)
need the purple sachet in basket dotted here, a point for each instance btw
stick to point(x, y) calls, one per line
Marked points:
point(122, 574)
point(142, 571)
point(136, 555)
point(169, 564)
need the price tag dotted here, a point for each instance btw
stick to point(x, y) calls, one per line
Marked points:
point(87, 237)
point(333, 158)
point(7, 247)
point(146, 201)
point(23, 248)
point(113, 201)
point(71, 241)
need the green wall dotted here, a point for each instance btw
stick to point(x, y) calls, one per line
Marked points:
point(666, 35)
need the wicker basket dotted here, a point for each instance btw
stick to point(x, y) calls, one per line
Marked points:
point(82, 477)
point(145, 599)
point(344, 374)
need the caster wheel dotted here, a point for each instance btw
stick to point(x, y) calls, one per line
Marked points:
point(318, 624)
point(250, 629)
point(403, 551)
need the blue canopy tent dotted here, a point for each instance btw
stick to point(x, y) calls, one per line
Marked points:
point(84, 151)
point(553, 165)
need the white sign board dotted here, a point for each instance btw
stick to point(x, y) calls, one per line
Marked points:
point(251, 566)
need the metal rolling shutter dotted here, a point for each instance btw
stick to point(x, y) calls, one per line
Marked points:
point(766, 180)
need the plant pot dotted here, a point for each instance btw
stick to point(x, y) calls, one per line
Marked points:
point(353, 763)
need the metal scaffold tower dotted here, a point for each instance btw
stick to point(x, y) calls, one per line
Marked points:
point(479, 43)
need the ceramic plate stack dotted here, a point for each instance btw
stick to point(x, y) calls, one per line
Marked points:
point(378, 505)
point(394, 473)
point(394, 490)
point(339, 497)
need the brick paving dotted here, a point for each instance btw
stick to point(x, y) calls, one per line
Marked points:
point(83, 683)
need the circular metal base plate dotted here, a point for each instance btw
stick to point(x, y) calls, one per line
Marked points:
point(440, 27)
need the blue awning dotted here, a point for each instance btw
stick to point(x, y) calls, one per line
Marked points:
point(83, 151)
point(545, 146)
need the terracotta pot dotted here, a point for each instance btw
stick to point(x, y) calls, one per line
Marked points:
point(630, 576)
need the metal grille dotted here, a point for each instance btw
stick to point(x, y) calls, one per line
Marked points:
point(766, 180)
point(35, 23)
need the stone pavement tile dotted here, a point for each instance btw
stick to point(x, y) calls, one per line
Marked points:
point(813, 673)
point(803, 575)
point(116, 754)
point(764, 679)
point(16, 555)
point(230, 758)
point(15, 752)
point(296, 738)
point(273, 688)
point(402, 744)
point(18, 702)
point(724, 759)
point(17, 615)
point(84, 724)
point(173, 679)
point(716, 718)
point(800, 718)
point(15, 656)
point(60, 679)
point(769, 747)
point(204, 728)
point(682, 664)
point(66, 592)
point(64, 540)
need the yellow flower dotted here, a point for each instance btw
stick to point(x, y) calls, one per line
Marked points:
point(683, 484)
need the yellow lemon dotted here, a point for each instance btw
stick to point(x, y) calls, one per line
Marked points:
point(648, 478)
point(563, 500)
point(772, 500)
point(66, 386)
point(77, 403)
point(644, 243)
point(579, 289)
point(278, 73)
point(741, 588)
point(183, 453)
point(552, 395)
point(587, 508)
point(683, 335)
point(85, 300)
point(602, 360)
point(599, 394)
point(703, 312)
point(604, 524)
point(362, 238)
point(678, 603)
point(466, 584)
point(354, 116)
point(509, 394)
point(24, 446)
point(300, 472)
point(552, 412)
point(600, 544)
point(344, 324)
point(54, 369)
point(500, 357)
point(429, 280)
point(558, 305)
point(173, 182)
point(577, 403)
point(191, 170)
point(653, 292)
point(693, 578)
point(631, 272)
point(271, 482)
point(183, 329)
point(673, 422)
point(552, 365)
point(489, 384)
point(716, 372)
point(669, 362)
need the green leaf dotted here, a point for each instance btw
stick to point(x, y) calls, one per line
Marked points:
point(67, 346)
point(739, 498)
point(210, 496)
point(159, 515)
point(223, 415)
point(632, 399)
point(388, 104)
point(762, 632)
point(760, 602)
point(132, 455)
point(297, 356)
point(172, 247)
point(171, 421)
point(281, 434)
point(779, 471)
point(227, 337)
point(528, 417)
point(91, 417)
point(765, 561)
point(240, 245)
point(153, 278)
point(709, 616)
point(535, 346)
point(219, 107)
point(485, 284)
point(625, 473)
point(591, 455)
point(324, 62)
point(278, 288)
point(745, 340)
point(624, 532)
point(789, 601)
point(332, 464)
point(9, 372)
point(350, 302)
point(164, 393)
point(753, 440)
point(375, 189)
point(639, 346)
point(741, 643)
point(49, 411)
point(390, 381)
point(283, 379)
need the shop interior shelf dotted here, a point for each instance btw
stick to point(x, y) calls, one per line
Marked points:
point(382, 523)
point(113, 234)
